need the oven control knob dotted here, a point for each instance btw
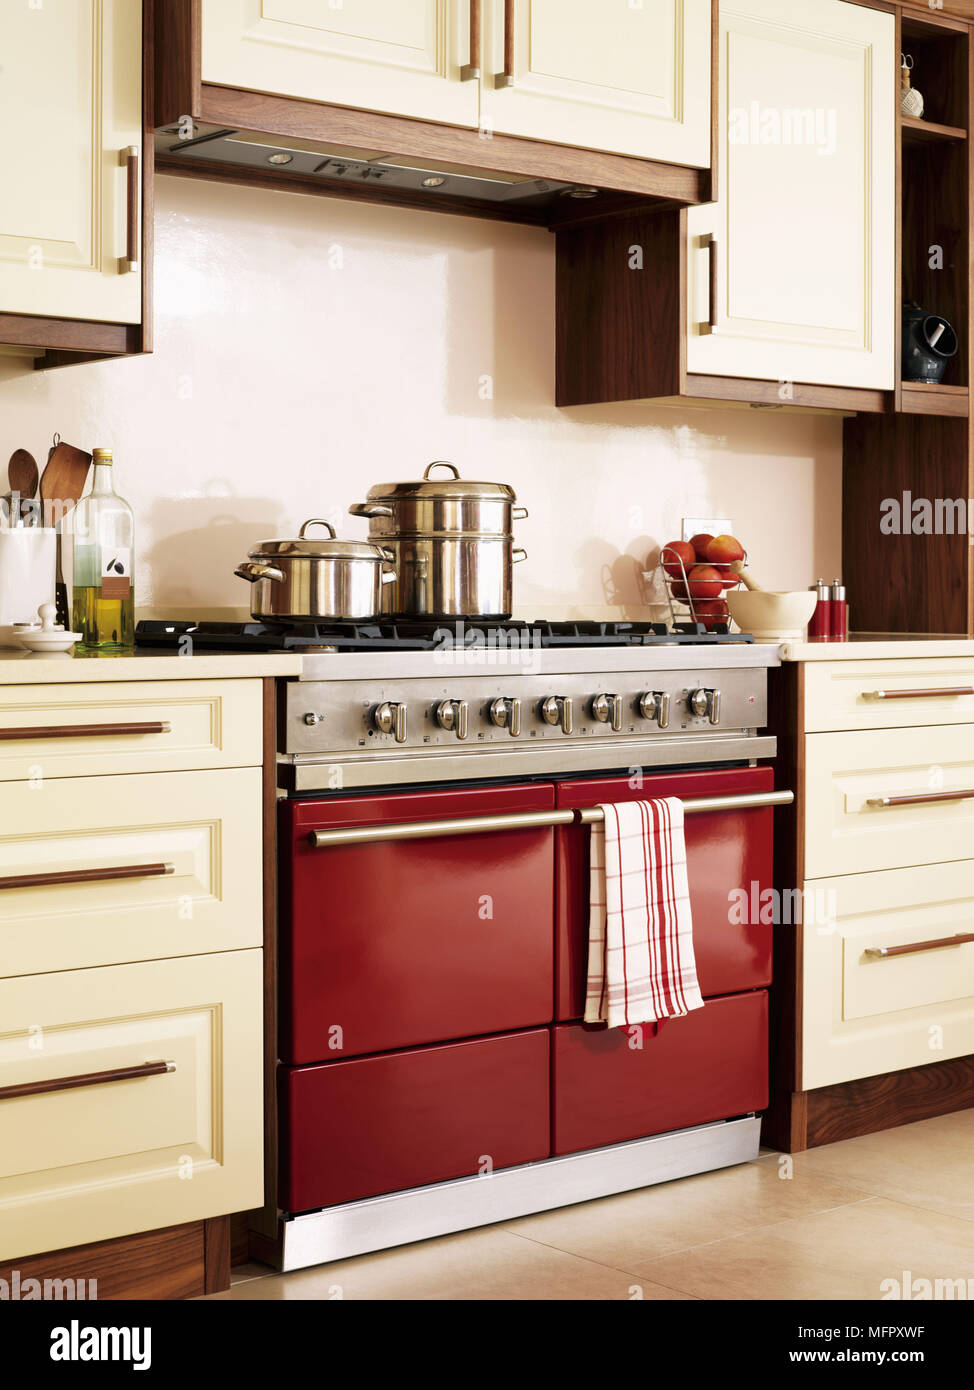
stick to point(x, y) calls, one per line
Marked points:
point(505, 713)
point(390, 718)
point(557, 709)
point(452, 716)
point(312, 719)
point(655, 705)
point(705, 702)
point(606, 708)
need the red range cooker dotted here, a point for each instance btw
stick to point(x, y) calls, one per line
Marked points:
point(434, 1072)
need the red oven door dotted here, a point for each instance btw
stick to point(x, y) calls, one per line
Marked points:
point(711, 1064)
point(726, 850)
point(379, 1124)
point(418, 941)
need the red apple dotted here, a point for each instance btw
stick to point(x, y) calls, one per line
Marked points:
point(705, 582)
point(673, 553)
point(700, 543)
point(679, 590)
point(724, 550)
point(710, 612)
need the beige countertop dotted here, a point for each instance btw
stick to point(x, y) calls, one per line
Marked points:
point(18, 667)
point(876, 646)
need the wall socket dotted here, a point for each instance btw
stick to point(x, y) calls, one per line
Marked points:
point(709, 525)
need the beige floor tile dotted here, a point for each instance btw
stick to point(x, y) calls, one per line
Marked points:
point(927, 1164)
point(485, 1264)
point(637, 1226)
point(844, 1254)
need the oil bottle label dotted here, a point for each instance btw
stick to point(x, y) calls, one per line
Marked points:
point(116, 576)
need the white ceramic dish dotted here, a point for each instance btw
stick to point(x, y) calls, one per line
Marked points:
point(772, 617)
point(45, 636)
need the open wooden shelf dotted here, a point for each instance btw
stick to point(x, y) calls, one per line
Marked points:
point(926, 398)
point(919, 132)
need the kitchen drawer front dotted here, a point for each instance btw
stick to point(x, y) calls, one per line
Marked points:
point(89, 1162)
point(610, 1085)
point(380, 1124)
point(394, 945)
point(210, 724)
point(205, 826)
point(846, 835)
point(864, 1013)
point(888, 694)
point(727, 851)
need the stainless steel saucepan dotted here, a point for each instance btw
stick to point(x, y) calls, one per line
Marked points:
point(316, 579)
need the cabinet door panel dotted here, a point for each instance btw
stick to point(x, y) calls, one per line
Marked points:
point(804, 228)
point(70, 104)
point(402, 56)
point(629, 79)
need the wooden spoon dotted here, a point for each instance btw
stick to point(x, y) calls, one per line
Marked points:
point(62, 483)
point(22, 476)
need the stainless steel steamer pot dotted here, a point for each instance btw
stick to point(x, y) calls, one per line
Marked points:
point(317, 579)
point(452, 541)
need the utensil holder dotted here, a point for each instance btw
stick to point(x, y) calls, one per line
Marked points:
point(27, 559)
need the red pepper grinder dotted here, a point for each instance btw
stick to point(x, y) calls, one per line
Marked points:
point(838, 612)
point(820, 623)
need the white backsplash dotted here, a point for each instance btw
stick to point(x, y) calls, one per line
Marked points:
point(307, 348)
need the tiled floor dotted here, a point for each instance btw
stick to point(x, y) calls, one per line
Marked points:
point(832, 1223)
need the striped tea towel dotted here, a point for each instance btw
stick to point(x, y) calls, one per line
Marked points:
point(641, 966)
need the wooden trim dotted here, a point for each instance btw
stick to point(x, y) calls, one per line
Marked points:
point(897, 233)
point(932, 20)
point(164, 1264)
point(885, 1102)
point(178, 30)
point(216, 1254)
point(730, 388)
point(369, 130)
point(61, 876)
point(68, 335)
point(920, 398)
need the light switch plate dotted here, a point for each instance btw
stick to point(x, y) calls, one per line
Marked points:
point(710, 525)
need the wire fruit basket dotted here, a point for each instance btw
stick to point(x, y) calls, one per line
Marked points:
point(706, 606)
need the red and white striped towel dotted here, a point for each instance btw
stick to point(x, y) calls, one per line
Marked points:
point(641, 966)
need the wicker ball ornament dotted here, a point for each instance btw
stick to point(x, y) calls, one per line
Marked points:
point(911, 101)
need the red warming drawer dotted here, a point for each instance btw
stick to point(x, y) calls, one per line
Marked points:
point(387, 946)
point(711, 1064)
point(725, 850)
point(378, 1124)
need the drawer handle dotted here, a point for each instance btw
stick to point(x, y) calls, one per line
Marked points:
point(88, 1078)
point(157, 726)
point(86, 875)
point(885, 952)
point(919, 798)
point(931, 694)
point(471, 71)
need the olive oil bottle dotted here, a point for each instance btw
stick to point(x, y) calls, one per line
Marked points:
point(103, 603)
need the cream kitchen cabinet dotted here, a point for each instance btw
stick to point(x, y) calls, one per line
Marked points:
point(624, 78)
point(791, 273)
point(406, 57)
point(632, 79)
point(71, 152)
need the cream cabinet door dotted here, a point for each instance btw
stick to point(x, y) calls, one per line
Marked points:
point(401, 56)
point(631, 79)
point(791, 274)
point(130, 1098)
point(70, 107)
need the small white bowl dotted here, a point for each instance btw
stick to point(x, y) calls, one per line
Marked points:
point(45, 636)
point(771, 617)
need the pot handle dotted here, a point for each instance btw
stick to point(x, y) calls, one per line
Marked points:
point(317, 521)
point(519, 513)
point(519, 554)
point(389, 573)
point(442, 463)
point(251, 571)
point(369, 509)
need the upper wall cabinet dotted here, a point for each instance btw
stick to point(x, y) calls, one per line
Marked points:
point(632, 78)
point(406, 57)
point(627, 78)
point(798, 253)
point(71, 255)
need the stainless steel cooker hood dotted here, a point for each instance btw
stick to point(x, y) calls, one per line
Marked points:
point(345, 165)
